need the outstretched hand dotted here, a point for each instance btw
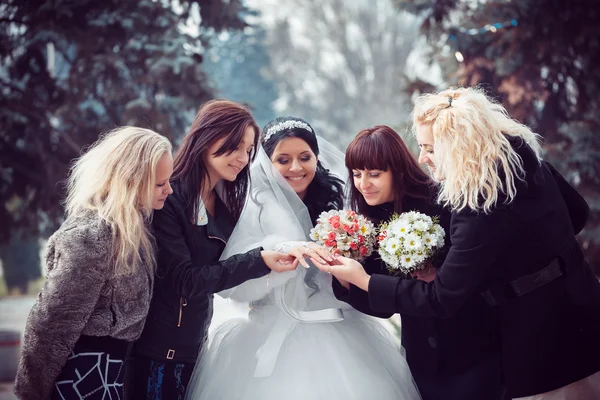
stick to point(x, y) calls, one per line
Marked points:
point(278, 262)
point(348, 270)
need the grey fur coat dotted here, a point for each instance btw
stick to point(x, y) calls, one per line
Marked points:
point(81, 296)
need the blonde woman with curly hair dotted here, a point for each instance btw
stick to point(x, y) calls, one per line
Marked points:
point(513, 246)
point(100, 270)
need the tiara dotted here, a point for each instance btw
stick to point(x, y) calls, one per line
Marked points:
point(289, 124)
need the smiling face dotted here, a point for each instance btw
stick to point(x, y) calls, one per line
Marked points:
point(296, 162)
point(228, 166)
point(426, 155)
point(375, 186)
point(162, 187)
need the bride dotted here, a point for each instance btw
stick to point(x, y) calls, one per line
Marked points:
point(299, 341)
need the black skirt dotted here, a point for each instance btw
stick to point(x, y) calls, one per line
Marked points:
point(94, 370)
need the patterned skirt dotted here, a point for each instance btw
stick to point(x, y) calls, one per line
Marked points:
point(150, 379)
point(94, 370)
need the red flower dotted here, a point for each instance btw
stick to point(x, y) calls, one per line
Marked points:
point(363, 251)
point(346, 228)
point(353, 246)
point(361, 239)
point(336, 225)
point(331, 236)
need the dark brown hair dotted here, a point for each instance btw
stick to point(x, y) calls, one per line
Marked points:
point(381, 148)
point(215, 120)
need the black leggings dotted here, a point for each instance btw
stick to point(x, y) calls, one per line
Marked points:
point(149, 379)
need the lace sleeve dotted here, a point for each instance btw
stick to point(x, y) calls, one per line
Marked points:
point(287, 246)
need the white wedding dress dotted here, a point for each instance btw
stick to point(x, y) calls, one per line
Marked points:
point(299, 341)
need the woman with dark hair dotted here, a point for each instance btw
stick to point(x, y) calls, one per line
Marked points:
point(299, 341)
point(210, 182)
point(292, 147)
point(450, 358)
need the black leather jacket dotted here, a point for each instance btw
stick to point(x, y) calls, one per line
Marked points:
point(188, 273)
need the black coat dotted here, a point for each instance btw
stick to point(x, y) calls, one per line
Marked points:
point(434, 347)
point(548, 332)
point(188, 273)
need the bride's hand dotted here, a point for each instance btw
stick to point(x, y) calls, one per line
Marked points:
point(346, 269)
point(278, 262)
point(318, 254)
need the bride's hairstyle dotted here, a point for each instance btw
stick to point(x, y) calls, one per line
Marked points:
point(326, 191)
point(472, 152)
point(216, 119)
point(381, 148)
point(116, 178)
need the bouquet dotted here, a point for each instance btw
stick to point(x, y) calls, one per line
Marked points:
point(346, 233)
point(408, 241)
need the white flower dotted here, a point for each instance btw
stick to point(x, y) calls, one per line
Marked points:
point(419, 259)
point(400, 227)
point(412, 242)
point(392, 245)
point(411, 216)
point(407, 261)
point(421, 225)
point(388, 259)
point(439, 234)
point(430, 240)
point(343, 245)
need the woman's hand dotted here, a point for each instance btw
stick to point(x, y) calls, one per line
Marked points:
point(348, 270)
point(344, 283)
point(427, 274)
point(278, 262)
point(319, 255)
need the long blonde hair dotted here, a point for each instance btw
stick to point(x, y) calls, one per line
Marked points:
point(471, 147)
point(116, 178)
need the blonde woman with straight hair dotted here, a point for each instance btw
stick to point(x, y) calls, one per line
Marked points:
point(513, 247)
point(100, 270)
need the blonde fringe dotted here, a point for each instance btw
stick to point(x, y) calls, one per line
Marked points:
point(116, 179)
point(470, 147)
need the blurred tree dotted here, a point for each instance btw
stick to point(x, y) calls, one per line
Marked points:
point(20, 262)
point(237, 61)
point(72, 69)
point(341, 65)
point(540, 58)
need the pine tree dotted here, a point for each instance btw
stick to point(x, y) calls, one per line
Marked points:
point(237, 62)
point(70, 70)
